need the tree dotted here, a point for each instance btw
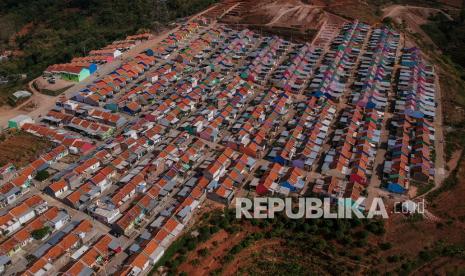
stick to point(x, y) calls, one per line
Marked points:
point(39, 234)
point(42, 175)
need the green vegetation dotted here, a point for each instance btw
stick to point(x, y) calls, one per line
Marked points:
point(42, 175)
point(177, 252)
point(41, 233)
point(449, 35)
point(440, 249)
point(47, 32)
point(318, 240)
point(7, 90)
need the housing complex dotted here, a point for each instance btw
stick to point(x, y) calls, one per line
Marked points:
point(204, 113)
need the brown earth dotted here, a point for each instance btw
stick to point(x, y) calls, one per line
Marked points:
point(411, 18)
point(218, 246)
point(21, 148)
point(243, 259)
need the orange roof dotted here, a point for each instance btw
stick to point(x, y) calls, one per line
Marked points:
point(170, 225)
point(140, 261)
point(56, 186)
point(84, 226)
point(150, 247)
point(133, 106)
point(55, 252)
point(90, 257)
point(68, 241)
point(19, 210)
point(22, 235)
point(161, 235)
point(34, 200)
point(75, 269)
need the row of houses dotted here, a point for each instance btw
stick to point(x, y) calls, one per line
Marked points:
point(374, 74)
point(20, 181)
point(294, 73)
point(81, 68)
point(348, 165)
point(410, 155)
point(70, 240)
point(332, 76)
point(280, 180)
point(228, 172)
point(53, 219)
point(75, 144)
point(265, 59)
point(96, 257)
point(301, 144)
point(352, 154)
point(102, 91)
point(11, 220)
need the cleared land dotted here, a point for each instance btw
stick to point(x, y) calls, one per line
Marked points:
point(21, 148)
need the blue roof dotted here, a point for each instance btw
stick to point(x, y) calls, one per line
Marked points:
point(370, 105)
point(414, 114)
point(395, 188)
point(318, 94)
point(288, 185)
point(278, 159)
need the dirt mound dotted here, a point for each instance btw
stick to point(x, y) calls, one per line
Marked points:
point(294, 13)
point(411, 17)
point(278, 13)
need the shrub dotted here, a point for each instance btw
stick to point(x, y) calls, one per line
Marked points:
point(385, 246)
point(203, 252)
point(39, 234)
point(42, 175)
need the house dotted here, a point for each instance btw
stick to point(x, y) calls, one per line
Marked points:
point(18, 121)
point(70, 242)
point(9, 193)
point(53, 218)
point(7, 172)
point(88, 167)
point(108, 118)
point(20, 96)
point(57, 189)
point(114, 53)
point(22, 213)
point(104, 211)
point(132, 108)
point(222, 194)
point(70, 71)
point(96, 256)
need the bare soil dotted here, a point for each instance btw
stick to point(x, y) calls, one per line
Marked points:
point(218, 246)
point(21, 148)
